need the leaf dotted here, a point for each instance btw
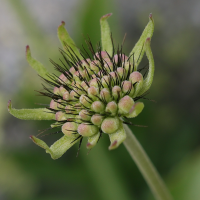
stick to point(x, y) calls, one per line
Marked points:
point(31, 114)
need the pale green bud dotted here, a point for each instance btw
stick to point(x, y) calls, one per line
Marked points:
point(98, 107)
point(85, 101)
point(105, 94)
point(93, 92)
point(116, 92)
point(84, 114)
point(66, 95)
point(110, 125)
point(87, 130)
point(69, 129)
point(97, 119)
point(125, 104)
point(135, 110)
point(111, 107)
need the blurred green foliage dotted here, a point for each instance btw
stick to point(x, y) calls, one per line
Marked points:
point(173, 122)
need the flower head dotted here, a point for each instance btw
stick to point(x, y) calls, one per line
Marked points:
point(96, 92)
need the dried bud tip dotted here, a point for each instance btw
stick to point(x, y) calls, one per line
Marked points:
point(148, 39)
point(150, 16)
point(9, 105)
point(27, 48)
point(31, 137)
point(113, 145)
point(106, 16)
point(62, 23)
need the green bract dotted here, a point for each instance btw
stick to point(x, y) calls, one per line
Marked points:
point(94, 94)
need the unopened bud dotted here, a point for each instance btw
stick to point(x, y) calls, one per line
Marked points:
point(85, 101)
point(72, 70)
point(105, 80)
point(94, 82)
point(111, 107)
point(98, 107)
point(63, 79)
point(105, 94)
point(110, 125)
point(87, 130)
point(66, 95)
point(92, 141)
point(121, 72)
point(116, 92)
point(84, 85)
point(56, 91)
point(108, 66)
point(60, 116)
point(84, 114)
point(97, 119)
point(93, 92)
point(62, 90)
point(95, 65)
point(101, 54)
point(127, 88)
point(69, 129)
point(125, 104)
point(73, 95)
point(60, 104)
point(128, 67)
point(120, 58)
point(53, 104)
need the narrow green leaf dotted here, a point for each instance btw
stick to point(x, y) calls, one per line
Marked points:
point(118, 137)
point(36, 65)
point(149, 79)
point(31, 114)
point(67, 42)
point(59, 147)
point(138, 50)
point(106, 35)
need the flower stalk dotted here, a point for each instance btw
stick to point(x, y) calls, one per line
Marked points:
point(145, 166)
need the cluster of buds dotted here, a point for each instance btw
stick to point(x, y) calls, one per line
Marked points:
point(94, 94)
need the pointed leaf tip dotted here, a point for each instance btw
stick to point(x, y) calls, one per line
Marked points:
point(105, 16)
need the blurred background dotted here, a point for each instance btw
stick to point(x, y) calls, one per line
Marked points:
point(172, 139)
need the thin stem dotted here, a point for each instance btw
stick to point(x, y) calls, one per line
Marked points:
point(146, 167)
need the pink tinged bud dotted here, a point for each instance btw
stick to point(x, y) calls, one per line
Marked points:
point(112, 107)
point(84, 114)
point(62, 90)
point(93, 92)
point(84, 85)
point(120, 58)
point(102, 54)
point(106, 60)
point(63, 79)
point(60, 116)
point(108, 66)
point(121, 72)
point(105, 80)
point(136, 77)
point(76, 76)
point(66, 95)
point(85, 101)
point(92, 141)
point(116, 92)
point(56, 91)
point(127, 87)
point(69, 129)
point(73, 95)
point(87, 130)
point(117, 137)
point(69, 109)
point(85, 63)
point(72, 70)
point(135, 110)
point(105, 95)
point(128, 67)
point(60, 104)
point(53, 104)
point(94, 82)
point(110, 125)
point(97, 119)
point(98, 107)
point(125, 104)
point(95, 65)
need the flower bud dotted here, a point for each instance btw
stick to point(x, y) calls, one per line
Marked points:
point(95, 65)
point(127, 88)
point(69, 129)
point(135, 110)
point(105, 80)
point(84, 85)
point(101, 54)
point(108, 66)
point(120, 58)
point(97, 119)
point(53, 104)
point(85, 101)
point(93, 92)
point(87, 130)
point(63, 79)
point(128, 67)
point(136, 77)
point(66, 95)
point(73, 95)
point(98, 107)
point(110, 125)
point(121, 72)
point(62, 90)
point(85, 63)
point(72, 70)
point(105, 94)
point(60, 104)
point(60, 116)
point(125, 104)
point(111, 107)
point(56, 91)
point(94, 82)
point(116, 92)
point(84, 114)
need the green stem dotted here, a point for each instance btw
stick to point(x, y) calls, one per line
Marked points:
point(146, 167)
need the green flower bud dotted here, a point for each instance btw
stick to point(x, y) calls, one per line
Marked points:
point(136, 77)
point(105, 94)
point(125, 104)
point(53, 104)
point(127, 88)
point(116, 92)
point(105, 80)
point(85, 101)
point(87, 130)
point(93, 92)
point(84, 114)
point(69, 129)
point(97, 119)
point(92, 141)
point(94, 65)
point(56, 91)
point(111, 107)
point(110, 125)
point(61, 116)
point(135, 110)
point(98, 107)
